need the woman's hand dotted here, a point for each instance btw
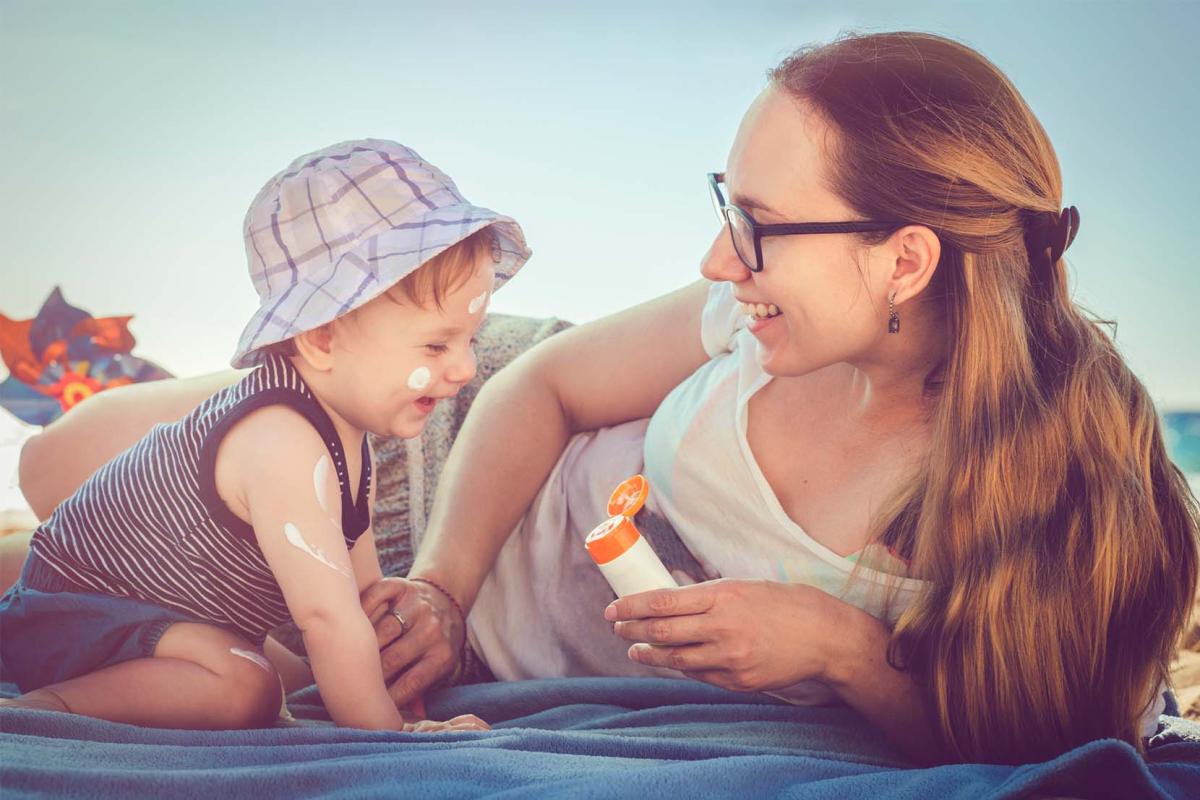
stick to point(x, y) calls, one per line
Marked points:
point(739, 635)
point(429, 646)
point(757, 635)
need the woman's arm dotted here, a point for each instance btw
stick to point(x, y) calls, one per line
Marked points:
point(55, 462)
point(606, 372)
point(762, 635)
point(858, 671)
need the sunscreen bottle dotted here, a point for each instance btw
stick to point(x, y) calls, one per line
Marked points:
point(623, 555)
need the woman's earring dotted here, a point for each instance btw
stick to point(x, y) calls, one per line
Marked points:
point(893, 317)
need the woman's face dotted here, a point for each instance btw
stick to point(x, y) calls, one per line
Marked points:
point(830, 289)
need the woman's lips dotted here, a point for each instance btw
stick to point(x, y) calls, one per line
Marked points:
point(758, 324)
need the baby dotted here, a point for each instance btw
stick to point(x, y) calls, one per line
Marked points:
point(147, 595)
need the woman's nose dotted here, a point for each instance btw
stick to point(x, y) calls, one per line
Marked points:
point(721, 262)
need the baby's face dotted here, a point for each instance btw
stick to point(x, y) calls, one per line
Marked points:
point(395, 359)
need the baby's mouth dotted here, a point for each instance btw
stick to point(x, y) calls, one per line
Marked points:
point(760, 310)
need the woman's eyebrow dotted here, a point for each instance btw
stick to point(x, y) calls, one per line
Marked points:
point(742, 201)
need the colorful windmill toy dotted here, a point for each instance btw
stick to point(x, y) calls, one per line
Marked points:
point(63, 356)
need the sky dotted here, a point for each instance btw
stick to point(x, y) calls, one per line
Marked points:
point(134, 135)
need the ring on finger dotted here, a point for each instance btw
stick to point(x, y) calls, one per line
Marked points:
point(395, 612)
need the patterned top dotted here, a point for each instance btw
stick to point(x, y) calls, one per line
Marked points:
point(150, 524)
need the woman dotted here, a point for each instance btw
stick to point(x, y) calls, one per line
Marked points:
point(931, 487)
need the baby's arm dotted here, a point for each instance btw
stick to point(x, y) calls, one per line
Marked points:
point(269, 459)
point(365, 561)
point(364, 556)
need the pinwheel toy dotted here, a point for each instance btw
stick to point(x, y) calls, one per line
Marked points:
point(63, 356)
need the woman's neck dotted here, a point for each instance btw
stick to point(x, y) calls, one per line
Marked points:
point(890, 386)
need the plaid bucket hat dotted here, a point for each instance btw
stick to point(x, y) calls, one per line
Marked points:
point(342, 225)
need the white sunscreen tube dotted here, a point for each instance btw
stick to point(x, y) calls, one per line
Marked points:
point(626, 559)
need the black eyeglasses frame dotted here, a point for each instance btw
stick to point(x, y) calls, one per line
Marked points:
point(759, 231)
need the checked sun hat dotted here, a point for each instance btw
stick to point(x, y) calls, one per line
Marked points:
point(342, 225)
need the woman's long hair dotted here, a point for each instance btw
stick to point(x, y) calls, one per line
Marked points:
point(1058, 540)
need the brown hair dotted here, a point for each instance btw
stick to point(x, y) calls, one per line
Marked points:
point(1058, 541)
point(433, 280)
point(449, 269)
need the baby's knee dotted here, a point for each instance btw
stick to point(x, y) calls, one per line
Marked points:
point(255, 693)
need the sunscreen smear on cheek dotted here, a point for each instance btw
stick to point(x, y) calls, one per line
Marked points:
point(419, 379)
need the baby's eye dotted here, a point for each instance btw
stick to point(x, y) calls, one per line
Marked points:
point(437, 348)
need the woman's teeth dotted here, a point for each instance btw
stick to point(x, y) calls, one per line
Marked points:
point(761, 310)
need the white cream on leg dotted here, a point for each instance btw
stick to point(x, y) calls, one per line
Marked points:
point(252, 656)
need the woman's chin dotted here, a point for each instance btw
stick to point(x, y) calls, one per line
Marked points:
point(770, 359)
point(781, 362)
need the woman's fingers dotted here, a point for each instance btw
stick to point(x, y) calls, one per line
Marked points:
point(413, 635)
point(695, 599)
point(707, 663)
point(378, 598)
point(405, 615)
point(420, 637)
point(413, 682)
point(741, 635)
point(688, 658)
point(692, 629)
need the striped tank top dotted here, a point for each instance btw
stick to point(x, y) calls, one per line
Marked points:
point(150, 525)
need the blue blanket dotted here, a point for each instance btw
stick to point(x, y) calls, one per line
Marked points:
point(593, 737)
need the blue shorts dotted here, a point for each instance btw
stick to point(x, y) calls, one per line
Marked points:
point(52, 630)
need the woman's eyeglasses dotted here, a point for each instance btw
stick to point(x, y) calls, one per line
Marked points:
point(747, 235)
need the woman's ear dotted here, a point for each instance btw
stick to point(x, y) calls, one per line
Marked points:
point(316, 347)
point(916, 251)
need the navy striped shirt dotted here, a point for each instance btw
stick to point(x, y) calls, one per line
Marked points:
point(150, 524)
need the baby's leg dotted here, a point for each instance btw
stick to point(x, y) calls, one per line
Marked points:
point(200, 676)
point(292, 670)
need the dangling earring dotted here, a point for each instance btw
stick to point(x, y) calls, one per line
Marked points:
point(893, 317)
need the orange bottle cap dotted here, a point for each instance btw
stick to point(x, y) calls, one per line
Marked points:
point(629, 496)
point(611, 538)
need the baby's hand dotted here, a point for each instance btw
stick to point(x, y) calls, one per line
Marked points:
point(466, 722)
